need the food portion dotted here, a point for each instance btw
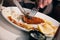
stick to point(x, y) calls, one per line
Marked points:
point(32, 20)
point(35, 23)
point(42, 25)
point(45, 27)
point(23, 25)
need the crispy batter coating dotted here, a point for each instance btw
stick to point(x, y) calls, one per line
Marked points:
point(33, 20)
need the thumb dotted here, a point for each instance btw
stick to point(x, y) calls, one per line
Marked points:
point(49, 1)
point(40, 4)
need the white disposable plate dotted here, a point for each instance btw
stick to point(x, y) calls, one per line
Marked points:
point(38, 14)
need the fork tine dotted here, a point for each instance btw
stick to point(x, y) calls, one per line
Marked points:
point(33, 12)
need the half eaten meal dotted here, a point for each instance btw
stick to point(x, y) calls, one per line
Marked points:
point(42, 25)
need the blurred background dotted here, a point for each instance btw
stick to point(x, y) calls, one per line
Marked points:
point(53, 10)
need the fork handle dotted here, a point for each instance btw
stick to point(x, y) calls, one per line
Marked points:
point(19, 6)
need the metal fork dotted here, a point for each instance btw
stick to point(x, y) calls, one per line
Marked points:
point(19, 6)
point(33, 11)
point(31, 14)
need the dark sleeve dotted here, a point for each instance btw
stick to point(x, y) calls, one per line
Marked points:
point(8, 3)
point(55, 2)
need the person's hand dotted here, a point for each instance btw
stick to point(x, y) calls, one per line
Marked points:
point(43, 3)
point(18, 0)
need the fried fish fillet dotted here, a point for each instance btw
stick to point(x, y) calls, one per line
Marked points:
point(33, 20)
